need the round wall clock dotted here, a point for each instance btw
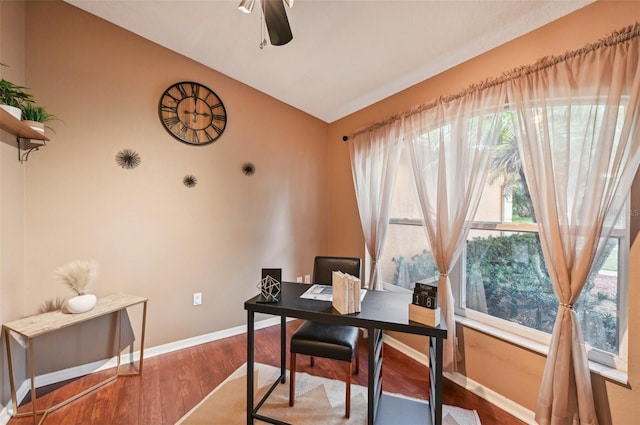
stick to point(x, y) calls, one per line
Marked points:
point(192, 113)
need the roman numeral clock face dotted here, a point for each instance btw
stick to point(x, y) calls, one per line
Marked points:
point(192, 113)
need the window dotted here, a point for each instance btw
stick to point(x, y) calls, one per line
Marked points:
point(407, 255)
point(502, 281)
point(505, 278)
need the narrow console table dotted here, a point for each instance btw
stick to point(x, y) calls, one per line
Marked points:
point(33, 326)
point(380, 311)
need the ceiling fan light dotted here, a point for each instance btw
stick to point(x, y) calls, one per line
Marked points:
point(246, 6)
point(289, 3)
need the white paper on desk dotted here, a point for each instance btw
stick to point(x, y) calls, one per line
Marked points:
point(319, 292)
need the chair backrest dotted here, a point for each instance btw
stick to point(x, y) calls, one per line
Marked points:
point(323, 266)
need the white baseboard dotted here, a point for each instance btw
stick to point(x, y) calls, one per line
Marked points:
point(4, 416)
point(491, 396)
point(77, 371)
point(468, 384)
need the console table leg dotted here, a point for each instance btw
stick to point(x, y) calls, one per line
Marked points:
point(32, 374)
point(144, 327)
point(12, 382)
point(119, 355)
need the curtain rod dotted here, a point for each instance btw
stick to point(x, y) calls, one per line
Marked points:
point(373, 126)
point(616, 37)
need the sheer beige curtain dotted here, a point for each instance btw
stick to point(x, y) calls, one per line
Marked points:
point(375, 154)
point(579, 138)
point(450, 143)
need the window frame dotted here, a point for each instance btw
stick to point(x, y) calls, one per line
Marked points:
point(532, 336)
point(613, 366)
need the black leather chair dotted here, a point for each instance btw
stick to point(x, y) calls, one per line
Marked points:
point(335, 342)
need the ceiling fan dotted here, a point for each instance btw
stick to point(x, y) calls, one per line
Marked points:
point(275, 18)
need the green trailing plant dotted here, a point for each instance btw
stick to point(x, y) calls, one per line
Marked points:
point(14, 95)
point(33, 112)
point(17, 96)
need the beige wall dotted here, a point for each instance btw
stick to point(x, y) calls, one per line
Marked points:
point(12, 41)
point(507, 369)
point(150, 234)
point(11, 173)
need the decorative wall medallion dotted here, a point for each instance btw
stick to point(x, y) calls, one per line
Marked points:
point(189, 180)
point(192, 113)
point(248, 168)
point(128, 159)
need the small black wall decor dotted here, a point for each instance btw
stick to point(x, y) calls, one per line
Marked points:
point(190, 180)
point(248, 168)
point(128, 159)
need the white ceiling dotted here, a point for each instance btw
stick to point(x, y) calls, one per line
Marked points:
point(345, 55)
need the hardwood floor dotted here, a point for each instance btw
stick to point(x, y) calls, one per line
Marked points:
point(173, 383)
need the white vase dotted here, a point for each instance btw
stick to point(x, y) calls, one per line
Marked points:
point(81, 303)
point(13, 110)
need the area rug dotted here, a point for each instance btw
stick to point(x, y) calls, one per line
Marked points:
point(319, 401)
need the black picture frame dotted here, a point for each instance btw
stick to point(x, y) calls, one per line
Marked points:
point(274, 274)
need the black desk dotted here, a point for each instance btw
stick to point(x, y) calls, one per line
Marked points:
point(380, 311)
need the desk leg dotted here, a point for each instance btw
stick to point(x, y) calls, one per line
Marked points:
point(371, 370)
point(374, 376)
point(283, 349)
point(250, 360)
point(435, 377)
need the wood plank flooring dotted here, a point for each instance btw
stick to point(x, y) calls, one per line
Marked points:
point(173, 383)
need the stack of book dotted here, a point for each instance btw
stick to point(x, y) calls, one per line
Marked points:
point(424, 308)
point(346, 292)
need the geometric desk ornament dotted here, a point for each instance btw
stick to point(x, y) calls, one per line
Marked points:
point(270, 286)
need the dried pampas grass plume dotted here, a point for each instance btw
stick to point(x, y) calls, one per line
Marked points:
point(78, 275)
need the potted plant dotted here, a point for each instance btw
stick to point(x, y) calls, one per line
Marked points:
point(35, 116)
point(12, 97)
point(78, 276)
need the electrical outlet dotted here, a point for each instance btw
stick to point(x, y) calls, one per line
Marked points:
point(197, 298)
point(307, 278)
point(299, 279)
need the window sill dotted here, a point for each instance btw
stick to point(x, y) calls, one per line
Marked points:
point(606, 372)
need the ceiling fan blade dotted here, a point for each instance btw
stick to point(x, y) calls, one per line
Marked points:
point(277, 22)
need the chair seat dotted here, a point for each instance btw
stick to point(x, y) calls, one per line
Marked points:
point(324, 340)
